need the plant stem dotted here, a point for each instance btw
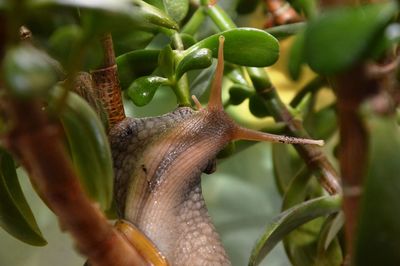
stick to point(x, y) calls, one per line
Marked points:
point(219, 17)
point(195, 22)
point(351, 89)
point(106, 84)
point(181, 87)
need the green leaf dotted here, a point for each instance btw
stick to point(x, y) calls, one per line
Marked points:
point(246, 6)
point(27, 72)
point(296, 57)
point(296, 191)
point(106, 15)
point(322, 124)
point(243, 46)
point(15, 214)
point(238, 93)
point(143, 89)
point(136, 64)
point(291, 219)
point(197, 59)
point(89, 147)
point(378, 241)
point(67, 40)
point(286, 163)
point(329, 252)
point(283, 31)
point(347, 32)
point(177, 9)
point(257, 106)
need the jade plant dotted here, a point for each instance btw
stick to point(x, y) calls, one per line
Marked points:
point(69, 67)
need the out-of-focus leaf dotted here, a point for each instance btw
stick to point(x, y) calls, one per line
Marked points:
point(187, 40)
point(131, 41)
point(333, 229)
point(311, 87)
point(143, 89)
point(108, 15)
point(235, 74)
point(388, 38)
point(238, 93)
point(297, 57)
point(291, 219)
point(257, 106)
point(15, 214)
point(322, 124)
point(329, 252)
point(243, 46)
point(247, 6)
point(286, 165)
point(157, 3)
point(348, 32)
point(308, 7)
point(283, 31)
point(136, 64)
point(296, 191)
point(177, 9)
point(378, 240)
point(67, 40)
point(89, 147)
point(198, 59)
point(27, 72)
point(201, 80)
point(259, 78)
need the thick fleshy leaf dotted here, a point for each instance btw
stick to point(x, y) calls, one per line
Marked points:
point(238, 93)
point(378, 241)
point(27, 72)
point(291, 219)
point(257, 106)
point(339, 38)
point(143, 89)
point(89, 147)
point(329, 252)
point(287, 30)
point(136, 64)
point(243, 46)
point(67, 40)
point(177, 9)
point(201, 80)
point(322, 124)
point(286, 164)
point(197, 59)
point(15, 214)
point(111, 15)
point(247, 6)
point(297, 57)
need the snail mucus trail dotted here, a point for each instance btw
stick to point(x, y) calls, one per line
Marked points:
point(158, 162)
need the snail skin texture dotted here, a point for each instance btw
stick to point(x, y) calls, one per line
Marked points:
point(158, 162)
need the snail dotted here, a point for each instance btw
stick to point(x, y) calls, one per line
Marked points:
point(158, 162)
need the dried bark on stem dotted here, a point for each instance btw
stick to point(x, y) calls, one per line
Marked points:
point(106, 84)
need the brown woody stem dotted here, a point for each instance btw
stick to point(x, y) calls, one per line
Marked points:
point(106, 84)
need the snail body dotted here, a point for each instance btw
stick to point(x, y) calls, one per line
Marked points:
point(158, 162)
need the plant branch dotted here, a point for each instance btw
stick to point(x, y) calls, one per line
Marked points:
point(106, 84)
